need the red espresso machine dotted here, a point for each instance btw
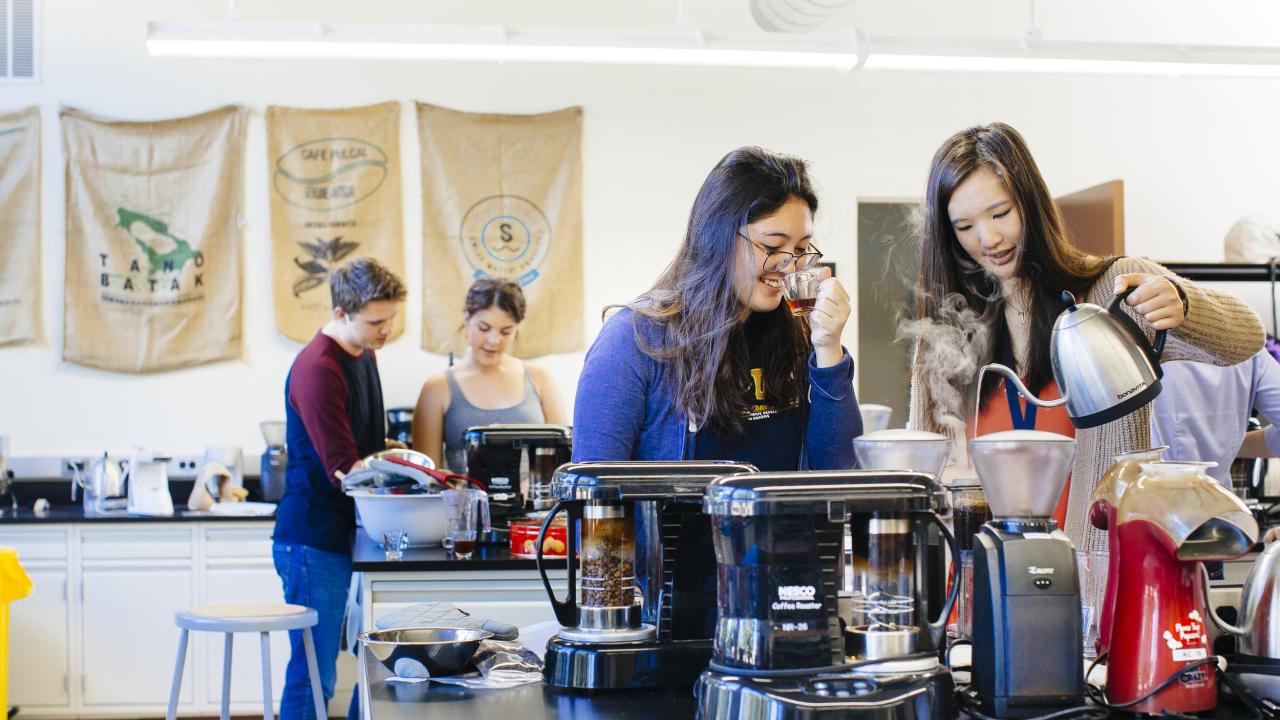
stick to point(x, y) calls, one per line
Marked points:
point(1170, 519)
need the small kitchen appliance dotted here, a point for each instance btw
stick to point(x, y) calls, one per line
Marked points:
point(641, 608)
point(1125, 469)
point(1102, 363)
point(516, 463)
point(783, 648)
point(147, 480)
point(102, 487)
point(1257, 658)
point(1170, 519)
point(274, 460)
point(1026, 590)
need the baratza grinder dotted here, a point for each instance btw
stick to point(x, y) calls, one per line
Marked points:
point(783, 649)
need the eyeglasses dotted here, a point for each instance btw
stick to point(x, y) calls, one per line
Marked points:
point(779, 260)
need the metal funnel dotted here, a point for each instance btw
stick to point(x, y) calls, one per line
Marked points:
point(1022, 471)
point(917, 450)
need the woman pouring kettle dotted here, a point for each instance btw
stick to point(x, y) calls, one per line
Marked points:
point(994, 248)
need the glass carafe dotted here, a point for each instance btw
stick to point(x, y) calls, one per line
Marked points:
point(883, 622)
point(608, 555)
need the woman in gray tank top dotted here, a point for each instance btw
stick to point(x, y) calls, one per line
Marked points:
point(488, 385)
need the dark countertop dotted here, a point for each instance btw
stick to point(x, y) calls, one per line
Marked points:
point(370, 557)
point(432, 701)
point(75, 514)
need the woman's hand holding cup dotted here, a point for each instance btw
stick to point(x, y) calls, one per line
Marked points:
point(827, 320)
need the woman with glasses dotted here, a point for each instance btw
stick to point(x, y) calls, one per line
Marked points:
point(709, 363)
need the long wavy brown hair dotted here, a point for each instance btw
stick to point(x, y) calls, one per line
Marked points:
point(695, 302)
point(1047, 262)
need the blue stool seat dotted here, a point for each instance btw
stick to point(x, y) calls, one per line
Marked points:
point(262, 618)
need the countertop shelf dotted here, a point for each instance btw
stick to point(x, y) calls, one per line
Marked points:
point(369, 556)
point(24, 515)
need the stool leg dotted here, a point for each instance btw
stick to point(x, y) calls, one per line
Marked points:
point(314, 670)
point(177, 676)
point(266, 677)
point(226, 677)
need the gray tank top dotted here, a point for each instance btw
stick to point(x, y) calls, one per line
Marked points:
point(462, 415)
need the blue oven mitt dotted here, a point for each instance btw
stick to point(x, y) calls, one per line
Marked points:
point(438, 614)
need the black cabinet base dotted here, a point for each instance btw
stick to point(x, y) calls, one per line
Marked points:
point(583, 667)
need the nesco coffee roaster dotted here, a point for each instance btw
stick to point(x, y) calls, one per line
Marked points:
point(641, 607)
point(782, 649)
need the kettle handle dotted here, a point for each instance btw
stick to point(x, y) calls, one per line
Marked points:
point(1154, 350)
point(1223, 625)
point(938, 627)
point(566, 610)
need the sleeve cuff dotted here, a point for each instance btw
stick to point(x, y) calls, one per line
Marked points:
point(834, 383)
point(1271, 434)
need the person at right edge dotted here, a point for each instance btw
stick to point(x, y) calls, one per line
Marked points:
point(334, 417)
point(994, 244)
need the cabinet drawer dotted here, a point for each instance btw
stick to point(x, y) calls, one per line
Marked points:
point(136, 543)
point(238, 543)
point(36, 544)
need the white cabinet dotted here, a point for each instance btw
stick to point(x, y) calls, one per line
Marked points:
point(40, 624)
point(238, 568)
point(133, 581)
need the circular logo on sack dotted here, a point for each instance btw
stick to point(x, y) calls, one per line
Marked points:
point(506, 236)
point(330, 173)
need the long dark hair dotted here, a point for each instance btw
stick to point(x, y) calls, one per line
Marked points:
point(1047, 263)
point(695, 302)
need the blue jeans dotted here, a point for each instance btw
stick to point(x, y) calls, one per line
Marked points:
point(319, 580)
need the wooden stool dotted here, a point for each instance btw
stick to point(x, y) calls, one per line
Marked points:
point(262, 618)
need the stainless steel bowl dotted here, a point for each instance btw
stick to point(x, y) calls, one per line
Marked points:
point(903, 450)
point(441, 650)
point(1022, 471)
point(413, 456)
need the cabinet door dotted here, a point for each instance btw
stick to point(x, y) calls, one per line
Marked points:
point(244, 585)
point(39, 663)
point(39, 624)
point(129, 638)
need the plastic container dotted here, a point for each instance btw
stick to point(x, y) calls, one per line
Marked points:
point(423, 517)
point(14, 585)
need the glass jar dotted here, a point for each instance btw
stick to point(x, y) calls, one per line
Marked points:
point(607, 557)
point(883, 622)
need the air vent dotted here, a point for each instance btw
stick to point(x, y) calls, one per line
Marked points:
point(18, 40)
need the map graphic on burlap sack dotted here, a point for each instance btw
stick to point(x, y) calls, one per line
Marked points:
point(334, 196)
point(502, 196)
point(153, 269)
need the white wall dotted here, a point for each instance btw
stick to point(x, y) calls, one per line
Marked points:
point(1194, 155)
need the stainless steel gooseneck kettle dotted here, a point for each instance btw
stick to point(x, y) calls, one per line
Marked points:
point(1102, 362)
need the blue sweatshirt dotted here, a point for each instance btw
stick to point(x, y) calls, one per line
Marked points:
point(626, 410)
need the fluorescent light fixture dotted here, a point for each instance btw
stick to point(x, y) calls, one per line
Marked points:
point(496, 44)
point(1049, 57)
point(848, 51)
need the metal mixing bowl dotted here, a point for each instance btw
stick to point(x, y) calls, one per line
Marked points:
point(442, 650)
point(420, 459)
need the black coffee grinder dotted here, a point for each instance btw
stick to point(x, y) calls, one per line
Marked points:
point(641, 608)
point(516, 462)
point(1027, 655)
point(783, 648)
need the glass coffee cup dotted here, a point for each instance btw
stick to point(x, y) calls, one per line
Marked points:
point(463, 508)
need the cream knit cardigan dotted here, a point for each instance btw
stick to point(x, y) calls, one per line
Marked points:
point(1220, 329)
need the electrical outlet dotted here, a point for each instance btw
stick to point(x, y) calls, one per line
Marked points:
point(183, 467)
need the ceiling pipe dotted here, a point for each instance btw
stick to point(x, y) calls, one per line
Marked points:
point(795, 16)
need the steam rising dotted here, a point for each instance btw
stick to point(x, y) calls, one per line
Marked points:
point(949, 351)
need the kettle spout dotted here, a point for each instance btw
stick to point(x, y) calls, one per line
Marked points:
point(1011, 376)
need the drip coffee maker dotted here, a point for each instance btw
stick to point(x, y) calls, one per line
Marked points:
point(516, 463)
point(640, 610)
point(1026, 590)
point(782, 647)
